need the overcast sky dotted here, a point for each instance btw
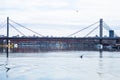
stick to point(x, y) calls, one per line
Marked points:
point(60, 17)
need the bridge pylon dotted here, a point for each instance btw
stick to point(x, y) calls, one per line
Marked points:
point(101, 28)
point(7, 49)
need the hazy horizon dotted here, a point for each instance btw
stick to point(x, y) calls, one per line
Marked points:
point(59, 17)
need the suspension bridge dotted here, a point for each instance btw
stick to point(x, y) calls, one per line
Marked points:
point(43, 43)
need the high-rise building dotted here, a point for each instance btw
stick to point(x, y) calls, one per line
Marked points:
point(111, 33)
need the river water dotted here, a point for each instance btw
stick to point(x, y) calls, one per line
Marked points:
point(69, 65)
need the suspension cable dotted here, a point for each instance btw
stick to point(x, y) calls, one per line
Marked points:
point(107, 26)
point(92, 31)
point(17, 29)
point(2, 26)
point(26, 28)
point(82, 29)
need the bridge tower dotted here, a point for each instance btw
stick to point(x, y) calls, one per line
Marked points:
point(101, 35)
point(101, 28)
point(7, 50)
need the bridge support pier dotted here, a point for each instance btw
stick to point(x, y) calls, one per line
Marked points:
point(7, 50)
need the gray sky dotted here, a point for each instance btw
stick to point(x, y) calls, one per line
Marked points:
point(60, 17)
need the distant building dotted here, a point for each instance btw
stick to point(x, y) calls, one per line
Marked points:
point(111, 33)
point(2, 36)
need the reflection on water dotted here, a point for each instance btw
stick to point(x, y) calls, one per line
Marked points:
point(100, 71)
point(61, 66)
point(101, 55)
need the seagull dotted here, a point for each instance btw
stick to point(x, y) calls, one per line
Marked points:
point(81, 56)
point(7, 69)
point(77, 11)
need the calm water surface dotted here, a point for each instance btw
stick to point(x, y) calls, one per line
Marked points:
point(61, 66)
